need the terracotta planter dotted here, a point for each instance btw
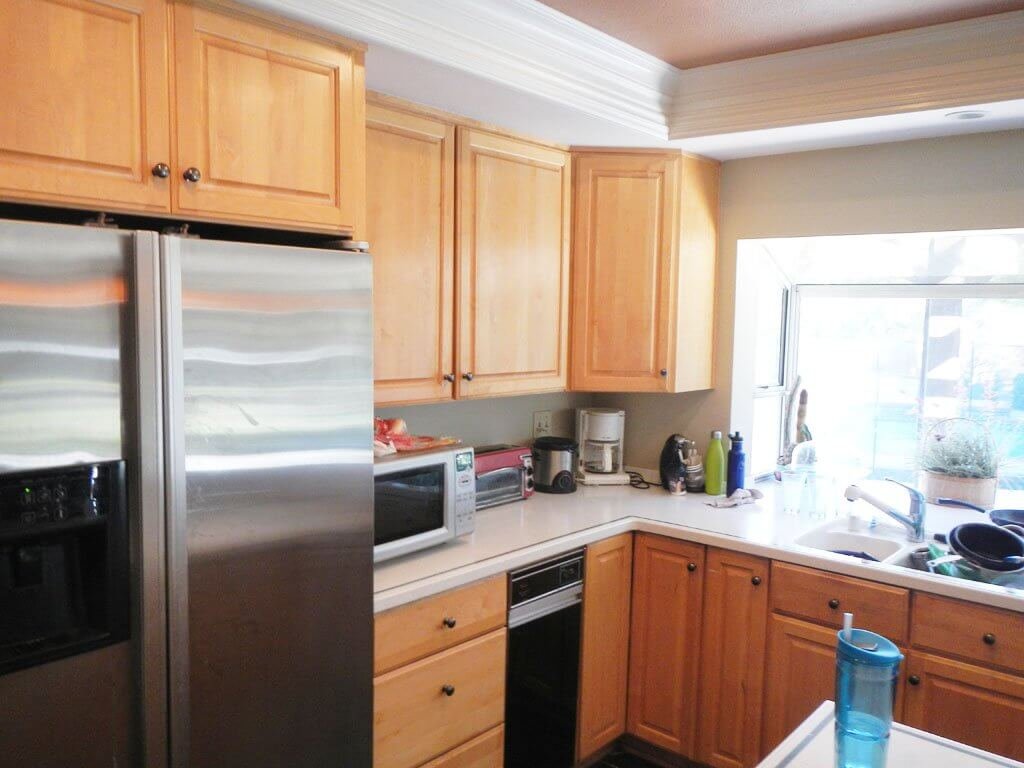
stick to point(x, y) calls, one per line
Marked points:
point(979, 491)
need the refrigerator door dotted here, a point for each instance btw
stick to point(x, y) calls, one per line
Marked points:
point(268, 388)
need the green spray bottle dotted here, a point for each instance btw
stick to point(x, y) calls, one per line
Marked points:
point(714, 467)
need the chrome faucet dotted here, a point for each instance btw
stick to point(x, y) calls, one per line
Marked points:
point(913, 521)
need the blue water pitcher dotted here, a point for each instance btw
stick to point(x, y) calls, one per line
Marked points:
point(867, 666)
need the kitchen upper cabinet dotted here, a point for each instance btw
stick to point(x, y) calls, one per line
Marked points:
point(966, 703)
point(410, 199)
point(85, 103)
point(512, 251)
point(604, 649)
point(644, 250)
point(668, 588)
point(270, 123)
point(732, 661)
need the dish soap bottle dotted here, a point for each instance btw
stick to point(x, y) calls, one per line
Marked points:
point(714, 467)
point(737, 463)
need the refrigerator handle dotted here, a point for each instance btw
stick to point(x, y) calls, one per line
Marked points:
point(177, 533)
point(149, 525)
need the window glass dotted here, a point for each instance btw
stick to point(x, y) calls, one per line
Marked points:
point(765, 446)
point(881, 370)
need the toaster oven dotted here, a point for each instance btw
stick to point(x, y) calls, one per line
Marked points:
point(504, 473)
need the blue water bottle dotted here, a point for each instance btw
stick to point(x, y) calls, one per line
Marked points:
point(737, 464)
point(867, 666)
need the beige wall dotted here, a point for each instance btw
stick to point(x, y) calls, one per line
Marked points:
point(492, 420)
point(967, 182)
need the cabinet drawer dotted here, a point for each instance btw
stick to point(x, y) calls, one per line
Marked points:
point(989, 635)
point(486, 751)
point(824, 597)
point(414, 720)
point(431, 625)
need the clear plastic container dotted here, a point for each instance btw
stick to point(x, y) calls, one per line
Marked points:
point(867, 667)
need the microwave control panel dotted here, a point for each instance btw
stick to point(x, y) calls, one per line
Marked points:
point(465, 492)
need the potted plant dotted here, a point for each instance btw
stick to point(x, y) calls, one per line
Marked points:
point(959, 461)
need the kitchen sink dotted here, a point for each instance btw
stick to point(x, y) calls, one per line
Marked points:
point(880, 544)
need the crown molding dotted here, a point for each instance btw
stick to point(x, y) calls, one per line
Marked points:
point(522, 44)
point(947, 65)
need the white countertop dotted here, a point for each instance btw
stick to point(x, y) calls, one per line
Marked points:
point(812, 745)
point(545, 525)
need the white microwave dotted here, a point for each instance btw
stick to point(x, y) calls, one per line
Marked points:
point(421, 500)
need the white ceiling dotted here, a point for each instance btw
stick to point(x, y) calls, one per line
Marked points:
point(693, 33)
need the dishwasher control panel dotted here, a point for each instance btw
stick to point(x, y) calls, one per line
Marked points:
point(544, 578)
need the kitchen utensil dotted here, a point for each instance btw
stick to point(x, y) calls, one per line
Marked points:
point(997, 516)
point(600, 432)
point(989, 548)
point(554, 459)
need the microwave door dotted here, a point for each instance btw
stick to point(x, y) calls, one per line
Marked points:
point(411, 510)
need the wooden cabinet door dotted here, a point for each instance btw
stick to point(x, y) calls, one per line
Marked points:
point(273, 121)
point(604, 649)
point(966, 703)
point(512, 246)
point(732, 661)
point(668, 588)
point(410, 199)
point(83, 85)
point(624, 245)
point(800, 675)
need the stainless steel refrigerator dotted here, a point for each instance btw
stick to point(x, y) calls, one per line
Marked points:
point(233, 384)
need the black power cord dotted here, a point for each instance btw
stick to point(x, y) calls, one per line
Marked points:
point(636, 480)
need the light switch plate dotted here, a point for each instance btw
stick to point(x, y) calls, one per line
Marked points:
point(541, 423)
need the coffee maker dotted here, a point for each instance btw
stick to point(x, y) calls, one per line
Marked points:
point(599, 433)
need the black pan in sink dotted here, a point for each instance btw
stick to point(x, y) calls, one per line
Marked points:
point(997, 516)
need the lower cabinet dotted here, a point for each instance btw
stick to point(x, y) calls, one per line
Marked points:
point(485, 751)
point(966, 703)
point(604, 645)
point(439, 693)
point(732, 659)
point(664, 667)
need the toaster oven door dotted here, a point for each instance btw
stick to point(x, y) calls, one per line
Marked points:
point(499, 486)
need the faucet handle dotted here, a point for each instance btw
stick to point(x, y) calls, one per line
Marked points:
point(915, 494)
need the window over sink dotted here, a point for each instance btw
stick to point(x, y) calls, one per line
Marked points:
point(889, 335)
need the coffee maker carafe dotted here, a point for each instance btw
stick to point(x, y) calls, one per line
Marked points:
point(599, 432)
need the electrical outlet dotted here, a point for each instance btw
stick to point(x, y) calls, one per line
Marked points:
point(541, 423)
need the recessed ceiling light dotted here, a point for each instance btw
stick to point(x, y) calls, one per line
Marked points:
point(967, 114)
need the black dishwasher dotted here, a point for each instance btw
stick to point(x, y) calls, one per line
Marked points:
point(543, 663)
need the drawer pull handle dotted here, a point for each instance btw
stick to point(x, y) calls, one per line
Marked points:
point(468, 375)
point(161, 170)
point(448, 690)
point(756, 581)
point(833, 604)
point(192, 175)
point(989, 638)
point(449, 622)
point(691, 567)
point(449, 377)
point(914, 680)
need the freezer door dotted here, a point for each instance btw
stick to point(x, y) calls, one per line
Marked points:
point(268, 387)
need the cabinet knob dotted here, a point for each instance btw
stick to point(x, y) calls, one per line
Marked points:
point(989, 638)
point(914, 680)
point(161, 170)
point(756, 581)
point(449, 622)
point(691, 567)
point(663, 372)
point(448, 690)
point(192, 175)
point(468, 376)
point(449, 377)
point(833, 603)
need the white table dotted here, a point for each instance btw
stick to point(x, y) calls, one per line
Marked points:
point(811, 745)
